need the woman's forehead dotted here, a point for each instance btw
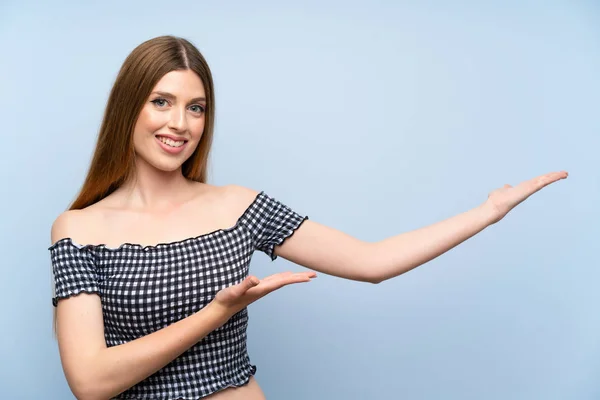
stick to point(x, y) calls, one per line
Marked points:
point(185, 84)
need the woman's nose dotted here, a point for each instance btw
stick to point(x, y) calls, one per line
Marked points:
point(178, 120)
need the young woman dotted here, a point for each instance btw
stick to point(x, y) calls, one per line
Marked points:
point(150, 262)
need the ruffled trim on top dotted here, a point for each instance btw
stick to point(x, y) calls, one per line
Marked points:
point(55, 299)
point(128, 245)
point(288, 234)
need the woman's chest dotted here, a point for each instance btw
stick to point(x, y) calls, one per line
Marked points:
point(147, 288)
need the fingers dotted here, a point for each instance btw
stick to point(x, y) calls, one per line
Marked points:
point(300, 276)
point(252, 288)
point(281, 279)
point(551, 177)
point(289, 275)
point(277, 276)
point(535, 184)
point(545, 180)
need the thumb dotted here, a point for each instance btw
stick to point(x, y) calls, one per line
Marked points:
point(249, 283)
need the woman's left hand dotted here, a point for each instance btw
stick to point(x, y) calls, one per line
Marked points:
point(502, 200)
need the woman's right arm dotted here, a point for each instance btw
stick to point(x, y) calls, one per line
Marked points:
point(95, 371)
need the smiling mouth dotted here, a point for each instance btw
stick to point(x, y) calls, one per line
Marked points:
point(170, 142)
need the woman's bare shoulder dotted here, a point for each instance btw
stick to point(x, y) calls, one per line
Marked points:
point(75, 224)
point(69, 225)
point(228, 201)
point(238, 198)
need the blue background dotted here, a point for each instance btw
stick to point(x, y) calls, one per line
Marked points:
point(372, 118)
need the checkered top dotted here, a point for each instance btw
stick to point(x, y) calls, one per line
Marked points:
point(144, 289)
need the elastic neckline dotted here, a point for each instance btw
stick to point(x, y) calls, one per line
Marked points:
point(103, 246)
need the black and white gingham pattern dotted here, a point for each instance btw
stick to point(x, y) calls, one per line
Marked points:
point(270, 222)
point(144, 289)
point(74, 271)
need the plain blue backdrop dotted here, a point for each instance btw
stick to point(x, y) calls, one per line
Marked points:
point(371, 118)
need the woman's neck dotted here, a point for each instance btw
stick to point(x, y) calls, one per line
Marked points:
point(152, 189)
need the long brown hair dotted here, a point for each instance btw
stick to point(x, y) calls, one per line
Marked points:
point(113, 160)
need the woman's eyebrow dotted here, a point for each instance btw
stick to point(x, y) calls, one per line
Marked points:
point(172, 97)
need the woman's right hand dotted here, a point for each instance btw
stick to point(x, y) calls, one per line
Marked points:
point(235, 298)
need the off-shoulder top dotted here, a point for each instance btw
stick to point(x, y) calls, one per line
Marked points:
point(146, 288)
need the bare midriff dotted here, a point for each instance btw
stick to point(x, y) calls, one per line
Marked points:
point(250, 391)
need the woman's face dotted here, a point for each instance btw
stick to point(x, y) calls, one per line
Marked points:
point(171, 122)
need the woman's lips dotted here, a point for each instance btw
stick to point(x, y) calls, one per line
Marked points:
point(173, 145)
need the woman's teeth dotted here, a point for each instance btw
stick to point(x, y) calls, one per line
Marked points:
point(171, 142)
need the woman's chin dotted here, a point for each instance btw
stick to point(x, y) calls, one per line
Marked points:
point(168, 167)
point(162, 162)
point(165, 166)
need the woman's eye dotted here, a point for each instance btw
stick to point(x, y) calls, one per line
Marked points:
point(159, 102)
point(197, 109)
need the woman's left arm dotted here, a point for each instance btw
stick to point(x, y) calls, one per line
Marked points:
point(332, 252)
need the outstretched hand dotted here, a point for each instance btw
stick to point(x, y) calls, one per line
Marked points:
point(504, 199)
point(235, 298)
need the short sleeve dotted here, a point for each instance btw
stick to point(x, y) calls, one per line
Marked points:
point(271, 222)
point(73, 270)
